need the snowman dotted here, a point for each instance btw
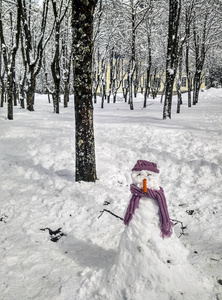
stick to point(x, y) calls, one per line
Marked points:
point(151, 263)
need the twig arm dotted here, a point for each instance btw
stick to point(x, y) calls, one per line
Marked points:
point(110, 212)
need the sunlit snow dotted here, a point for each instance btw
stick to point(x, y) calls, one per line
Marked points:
point(54, 246)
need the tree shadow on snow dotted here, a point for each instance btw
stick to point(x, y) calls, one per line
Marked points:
point(66, 174)
point(87, 254)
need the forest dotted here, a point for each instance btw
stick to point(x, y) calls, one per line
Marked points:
point(136, 43)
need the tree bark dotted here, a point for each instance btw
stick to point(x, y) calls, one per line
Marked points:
point(189, 85)
point(200, 54)
point(82, 23)
point(110, 76)
point(2, 93)
point(55, 65)
point(148, 71)
point(9, 59)
point(31, 90)
point(172, 54)
point(187, 62)
point(66, 78)
point(34, 66)
point(179, 94)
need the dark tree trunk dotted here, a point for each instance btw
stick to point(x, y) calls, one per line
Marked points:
point(163, 92)
point(55, 68)
point(2, 93)
point(114, 97)
point(103, 82)
point(22, 89)
point(172, 54)
point(21, 101)
point(200, 54)
point(189, 85)
point(148, 71)
point(66, 94)
point(103, 91)
point(66, 82)
point(55, 65)
point(2, 96)
point(168, 96)
point(196, 87)
point(125, 93)
point(179, 94)
point(188, 23)
point(34, 66)
point(9, 59)
point(2, 99)
point(110, 77)
point(31, 90)
point(14, 88)
point(96, 75)
point(131, 91)
point(136, 80)
point(147, 86)
point(56, 100)
point(23, 79)
point(132, 64)
point(10, 96)
point(82, 23)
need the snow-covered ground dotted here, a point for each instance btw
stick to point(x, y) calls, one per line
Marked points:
point(38, 191)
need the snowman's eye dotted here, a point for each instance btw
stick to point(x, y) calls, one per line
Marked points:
point(138, 175)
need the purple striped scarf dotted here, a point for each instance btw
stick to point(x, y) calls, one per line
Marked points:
point(165, 223)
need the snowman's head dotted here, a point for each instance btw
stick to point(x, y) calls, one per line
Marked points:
point(145, 170)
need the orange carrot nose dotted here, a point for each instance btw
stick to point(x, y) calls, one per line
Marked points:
point(144, 186)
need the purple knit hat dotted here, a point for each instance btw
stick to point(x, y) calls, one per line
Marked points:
point(145, 165)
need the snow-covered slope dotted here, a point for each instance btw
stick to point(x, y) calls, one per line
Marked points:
point(38, 191)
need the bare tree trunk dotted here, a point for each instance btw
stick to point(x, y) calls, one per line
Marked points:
point(67, 84)
point(200, 53)
point(147, 86)
point(66, 93)
point(188, 23)
point(9, 59)
point(34, 66)
point(179, 94)
point(82, 23)
point(172, 54)
point(130, 80)
point(55, 67)
point(96, 74)
point(10, 96)
point(189, 87)
point(110, 76)
point(31, 90)
point(196, 87)
point(103, 91)
point(168, 97)
point(2, 93)
point(136, 81)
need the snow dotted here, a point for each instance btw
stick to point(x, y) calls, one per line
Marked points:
point(38, 191)
point(171, 71)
